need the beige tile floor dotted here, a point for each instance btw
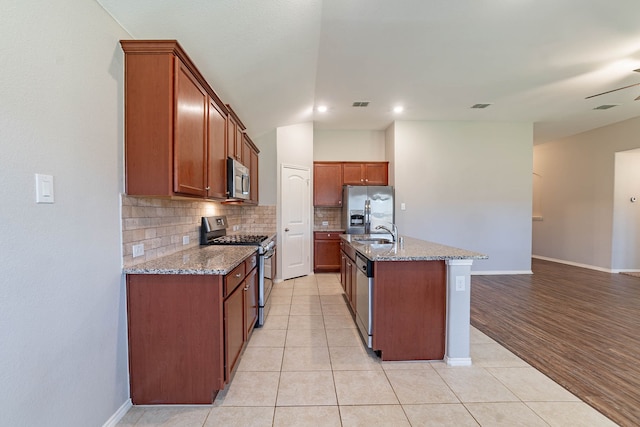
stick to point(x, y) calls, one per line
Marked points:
point(308, 367)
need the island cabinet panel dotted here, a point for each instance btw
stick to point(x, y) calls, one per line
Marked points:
point(409, 309)
point(175, 338)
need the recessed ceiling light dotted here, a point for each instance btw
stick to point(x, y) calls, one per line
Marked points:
point(322, 108)
point(360, 104)
point(398, 109)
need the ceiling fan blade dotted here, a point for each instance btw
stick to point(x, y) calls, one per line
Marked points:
point(612, 90)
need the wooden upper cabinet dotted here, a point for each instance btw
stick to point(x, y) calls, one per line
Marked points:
point(253, 168)
point(371, 173)
point(190, 144)
point(217, 157)
point(236, 136)
point(168, 134)
point(327, 184)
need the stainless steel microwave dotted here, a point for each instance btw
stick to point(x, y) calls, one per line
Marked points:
point(238, 181)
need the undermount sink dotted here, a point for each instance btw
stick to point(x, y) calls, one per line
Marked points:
point(370, 241)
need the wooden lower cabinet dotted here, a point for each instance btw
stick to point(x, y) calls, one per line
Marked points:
point(233, 329)
point(348, 273)
point(186, 333)
point(326, 251)
point(176, 349)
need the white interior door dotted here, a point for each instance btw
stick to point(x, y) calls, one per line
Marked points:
point(296, 230)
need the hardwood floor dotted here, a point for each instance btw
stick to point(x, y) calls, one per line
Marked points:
point(580, 327)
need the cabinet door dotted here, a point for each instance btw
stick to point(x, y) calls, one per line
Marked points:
point(326, 254)
point(234, 130)
point(253, 167)
point(327, 184)
point(217, 158)
point(349, 276)
point(250, 291)
point(245, 158)
point(353, 174)
point(352, 281)
point(190, 143)
point(343, 270)
point(233, 329)
point(376, 173)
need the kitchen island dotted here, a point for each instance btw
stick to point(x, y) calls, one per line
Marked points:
point(419, 302)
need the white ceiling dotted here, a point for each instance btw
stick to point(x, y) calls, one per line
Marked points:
point(533, 60)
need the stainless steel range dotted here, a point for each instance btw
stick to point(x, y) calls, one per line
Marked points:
point(214, 232)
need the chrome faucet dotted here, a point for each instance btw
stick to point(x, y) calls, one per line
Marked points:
point(394, 232)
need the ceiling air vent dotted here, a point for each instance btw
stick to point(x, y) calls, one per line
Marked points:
point(605, 106)
point(480, 105)
point(360, 104)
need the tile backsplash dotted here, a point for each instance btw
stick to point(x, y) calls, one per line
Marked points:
point(331, 215)
point(161, 224)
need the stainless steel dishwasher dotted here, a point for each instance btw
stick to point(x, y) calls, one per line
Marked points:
point(364, 298)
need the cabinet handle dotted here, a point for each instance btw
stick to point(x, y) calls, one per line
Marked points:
point(361, 180)
point(238, 275)
point(339, 202)
point(208, 188)
point(246, 289)
point(367, 180)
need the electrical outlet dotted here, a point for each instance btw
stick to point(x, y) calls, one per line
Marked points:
point(236, 227)
point(325, 223)
point(138, 250)
point(185, 240)
point(460, 283)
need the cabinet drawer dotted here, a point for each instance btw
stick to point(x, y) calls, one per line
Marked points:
point(233, 279)
point(251, 263)
point(334, 235)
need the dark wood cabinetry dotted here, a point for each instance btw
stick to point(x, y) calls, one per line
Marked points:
point(178, 133)
point(327, 184)
point(326, 251)
point(348, 273)
point(236, 132)
point(329, 177)
point(373, 173)
point(186, 332)
point(217, 156)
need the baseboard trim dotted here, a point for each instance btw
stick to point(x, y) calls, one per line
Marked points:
point(458, 361)
point(115, 418)
point(492, 273)
point(575, 264)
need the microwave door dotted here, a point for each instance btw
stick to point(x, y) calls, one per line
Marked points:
point(245, 184)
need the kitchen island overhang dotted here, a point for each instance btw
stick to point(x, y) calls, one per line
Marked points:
point(421, 300)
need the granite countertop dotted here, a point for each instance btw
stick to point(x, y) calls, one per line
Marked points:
point(198, 260)
point(411, 250)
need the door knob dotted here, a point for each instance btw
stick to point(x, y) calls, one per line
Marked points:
point(286, 229)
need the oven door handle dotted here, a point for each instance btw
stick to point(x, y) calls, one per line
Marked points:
point(269, 253)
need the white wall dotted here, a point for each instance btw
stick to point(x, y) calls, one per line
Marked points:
point(63, 350)
point(468, 185)
point(267, 168)
point(294, 147)
point(577, 194)
point(348, 145)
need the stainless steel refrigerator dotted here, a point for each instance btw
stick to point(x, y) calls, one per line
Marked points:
point(366, 207)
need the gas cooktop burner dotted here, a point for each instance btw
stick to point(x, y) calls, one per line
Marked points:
point(239, 239)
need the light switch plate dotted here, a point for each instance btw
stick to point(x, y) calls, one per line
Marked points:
point(460, 283)
point(185, 240)
point(44, 188)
